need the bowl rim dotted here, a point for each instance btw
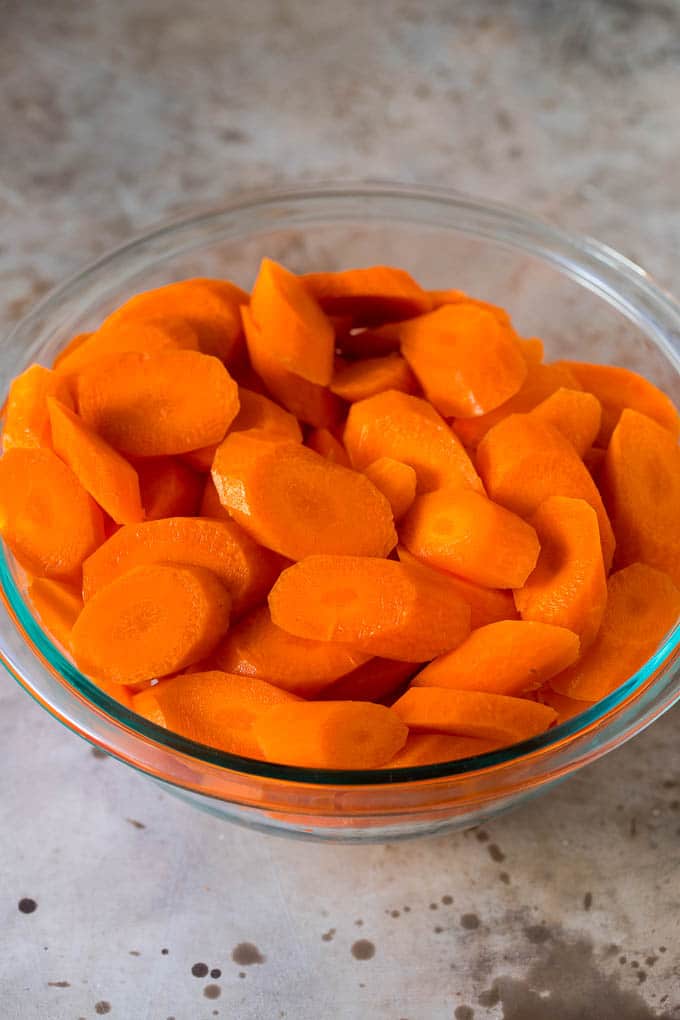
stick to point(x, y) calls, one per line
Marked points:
point(594, 265)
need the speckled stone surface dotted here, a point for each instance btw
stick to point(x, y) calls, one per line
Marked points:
point(115, 115)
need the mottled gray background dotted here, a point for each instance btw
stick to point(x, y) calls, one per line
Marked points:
point(114, 115)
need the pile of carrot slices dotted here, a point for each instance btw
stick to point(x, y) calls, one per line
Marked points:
point(342, 521)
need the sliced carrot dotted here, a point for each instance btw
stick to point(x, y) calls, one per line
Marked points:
point(464, 532)
point(168, 488)
point(617, 388)
point(467, 362)
point(73, 345)
point(432, 748)
point(523, 462)
point(58, 605)
point(369, 295)
point(509, 657)
point(255, 646)
point(247, 570)
point(291, 323)
point(540, 382)
point(211, 307)
point(312, 404)
point(297, 503)
point(568, 588)
point(379, 606)
point(408, 429)
point(487, 605)
point(593, 460)
point(640, 482)
point(440, 298)
point(478, 714)
point(201, 460)
point(532, 349)
point(109, 478)
point(363, 379)
point(330, 734)
point(396, 481)
point(374, 680)
point(27, 421)
point(642, 605)
point(47, 518)
point(378, 342)
point(565, 707)
point(154, 620)
point(575, 413)
point(323, 442)
point(145, 337)
point(210, 502)
point(212, 708)
point(259, 412)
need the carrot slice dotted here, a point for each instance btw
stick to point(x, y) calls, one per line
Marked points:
point(330, 734)
point(466, 361)
point(379, 606)
point(455, 530)
point(255, 646)
point(593, 460)
point(575, 413)
point(524, 461)
point(408, 429)
point(374, 680)
point(145, 337)
point(148, 405)
point(478, 714)
point(365, 378)
point(27, 421)
point(310, 403)
point(396, 481)
point(168, 488)
point(246, 570)
point(641, 485)
point(47, 518)
point(568, 588)
point(370, 295)
point(432, 748)
point(212, 708)
point(211, 307)
point(487, 605)
point(540, 382)
point(155, 619)
point(378, 342)
point(73, 345)
point(297, 503)
point(565, 707)
point(109, 479)
point(292, 324)
point(617, 388)
point(642, 605)
point(210, 502)
point(509, 657)
point(58, 605)
point(532, 349)
point(259, 412)
point(323, 442)
point(201, 460)
point(440, 298)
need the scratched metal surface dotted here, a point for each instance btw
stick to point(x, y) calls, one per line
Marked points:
point(135, 906)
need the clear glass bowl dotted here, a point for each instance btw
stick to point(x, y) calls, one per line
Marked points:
point(585, 301)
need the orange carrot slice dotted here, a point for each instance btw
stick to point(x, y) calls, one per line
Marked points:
point(109, 479)
point(478, 714)
point(379, 606)
point(330, 734)
point(565, 707)
point(370, 343)
point(593, 460)
point(568, 588)
point(432, 748)
point(292, 324)
point(440, 298)
point(323, 442)
point(212, 708)
point(58, 605)
point(222, 547)
point(641, 485)
point(47, 518)
point(464, 532)
point(466, 361)
point(363, 379)
point(210, 502)
point(574, 413)
point(408, 429)
point(154, 620)
point(148, 405)
point(297, 503)
point(145, 337)
point(201, 460)
point(509, 657)
point(370, 295)
point(617, 388)
point(259, 412)
point(73, 345)
point(642, 605)
point(168, 488)
point(524, 461)
point(396, 481)
point(374, 680)
point(27, 422)
point(255, 646)
point(532, 349)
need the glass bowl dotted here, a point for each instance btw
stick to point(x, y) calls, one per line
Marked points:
point(583, 299)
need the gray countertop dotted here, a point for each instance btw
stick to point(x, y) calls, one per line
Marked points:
point(114, 115)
